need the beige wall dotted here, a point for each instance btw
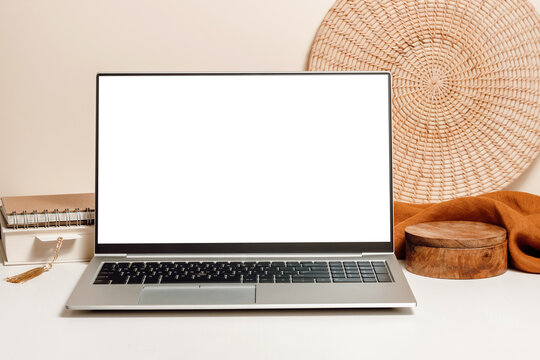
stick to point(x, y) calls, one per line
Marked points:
point(51, 50)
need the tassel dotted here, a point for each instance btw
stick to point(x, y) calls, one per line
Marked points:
point(25, 276)
point(35, 272)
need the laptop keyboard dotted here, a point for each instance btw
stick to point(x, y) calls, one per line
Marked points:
point(169, 272)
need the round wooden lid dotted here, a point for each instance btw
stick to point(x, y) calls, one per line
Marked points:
point(455, 234)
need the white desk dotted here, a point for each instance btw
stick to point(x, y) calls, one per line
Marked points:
point(497, 318)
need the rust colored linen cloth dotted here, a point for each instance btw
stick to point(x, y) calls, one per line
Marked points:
point(517, 212)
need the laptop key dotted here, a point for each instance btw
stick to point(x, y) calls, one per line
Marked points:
point(151, 279)
point(119, 280)
point(102, 282)
point(305, 271)
point(135, 280)
point(384, 278)
point(337, 271)
point(168, 279)
point(106, 274)
point(347, 280)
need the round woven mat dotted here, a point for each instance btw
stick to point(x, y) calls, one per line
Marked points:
point(466, 79)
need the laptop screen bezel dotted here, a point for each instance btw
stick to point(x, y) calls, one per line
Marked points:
point(247, 248)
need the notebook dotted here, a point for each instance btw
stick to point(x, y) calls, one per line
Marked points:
point(48, 210)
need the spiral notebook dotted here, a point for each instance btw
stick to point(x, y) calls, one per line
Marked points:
point(48, 210)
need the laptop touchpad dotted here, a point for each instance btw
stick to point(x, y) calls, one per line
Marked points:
point(193, 295)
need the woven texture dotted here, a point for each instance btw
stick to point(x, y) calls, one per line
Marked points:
point(466, 87)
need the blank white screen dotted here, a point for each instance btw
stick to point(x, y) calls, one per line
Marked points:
point(243, 159)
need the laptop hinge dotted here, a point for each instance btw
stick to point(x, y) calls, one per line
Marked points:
point(249, 255)
point(110, 255)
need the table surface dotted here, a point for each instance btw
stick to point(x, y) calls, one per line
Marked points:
point(495, 318)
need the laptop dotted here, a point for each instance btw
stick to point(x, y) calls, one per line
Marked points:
point(243, 191)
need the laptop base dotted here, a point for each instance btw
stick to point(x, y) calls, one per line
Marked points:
point(87, 296)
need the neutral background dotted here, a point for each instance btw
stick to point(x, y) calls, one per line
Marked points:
point(49, 54)
point(51, 50)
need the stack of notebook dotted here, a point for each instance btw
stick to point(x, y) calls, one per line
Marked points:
point(48, 210)
point(30, 226)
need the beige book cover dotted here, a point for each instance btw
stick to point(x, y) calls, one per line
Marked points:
point(40, 203)
point(48, 209)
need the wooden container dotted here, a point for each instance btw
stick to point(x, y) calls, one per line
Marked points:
point(456, 249)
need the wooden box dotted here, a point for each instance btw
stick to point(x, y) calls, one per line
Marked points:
point(456, 249)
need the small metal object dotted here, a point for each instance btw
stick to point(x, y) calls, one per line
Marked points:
point(25, 219)
point(36, 220)
point(68, 219)
point(15, 220)
point(90, 216)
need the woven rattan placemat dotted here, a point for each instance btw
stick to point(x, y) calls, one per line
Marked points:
point(466, 87)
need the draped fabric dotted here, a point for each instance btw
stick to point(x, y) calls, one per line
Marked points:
point(517, 212)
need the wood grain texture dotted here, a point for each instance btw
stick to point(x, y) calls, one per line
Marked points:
point(455, 234)
point(456, 250)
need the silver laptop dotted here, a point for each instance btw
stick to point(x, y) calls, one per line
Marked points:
point(243, 191)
